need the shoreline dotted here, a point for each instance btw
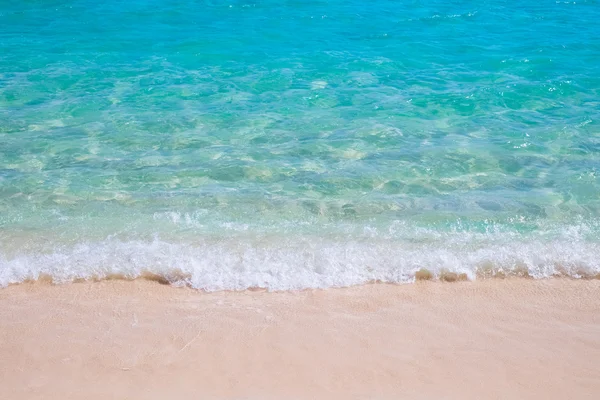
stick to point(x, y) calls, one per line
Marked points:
point(179, 279)
point(493, 338)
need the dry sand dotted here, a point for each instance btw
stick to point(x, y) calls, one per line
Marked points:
point(511, 339)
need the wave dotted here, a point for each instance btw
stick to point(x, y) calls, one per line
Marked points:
point(300, 263)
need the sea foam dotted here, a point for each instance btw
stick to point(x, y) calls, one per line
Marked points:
point(283, 264)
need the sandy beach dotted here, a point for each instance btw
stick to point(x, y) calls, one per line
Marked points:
point(495, 339)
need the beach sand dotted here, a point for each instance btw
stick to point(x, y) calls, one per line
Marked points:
point(491, 339)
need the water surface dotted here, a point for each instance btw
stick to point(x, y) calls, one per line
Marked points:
point(292, 144)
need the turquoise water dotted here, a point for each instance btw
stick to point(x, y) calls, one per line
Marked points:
point(291, 144)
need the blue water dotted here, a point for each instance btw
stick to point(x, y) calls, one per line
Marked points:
point(292, 144)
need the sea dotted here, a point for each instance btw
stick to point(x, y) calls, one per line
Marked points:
point(292, 144)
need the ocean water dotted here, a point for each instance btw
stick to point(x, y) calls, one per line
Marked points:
point(293, 144)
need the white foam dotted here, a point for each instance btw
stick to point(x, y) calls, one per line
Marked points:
point(283, 264)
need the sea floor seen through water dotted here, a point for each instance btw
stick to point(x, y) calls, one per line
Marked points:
point(298, 144)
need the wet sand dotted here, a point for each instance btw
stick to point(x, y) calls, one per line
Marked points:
point(494, 339)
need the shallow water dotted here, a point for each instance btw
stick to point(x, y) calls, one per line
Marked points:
point(291, 144)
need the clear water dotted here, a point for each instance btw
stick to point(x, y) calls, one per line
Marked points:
point(290, 144)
